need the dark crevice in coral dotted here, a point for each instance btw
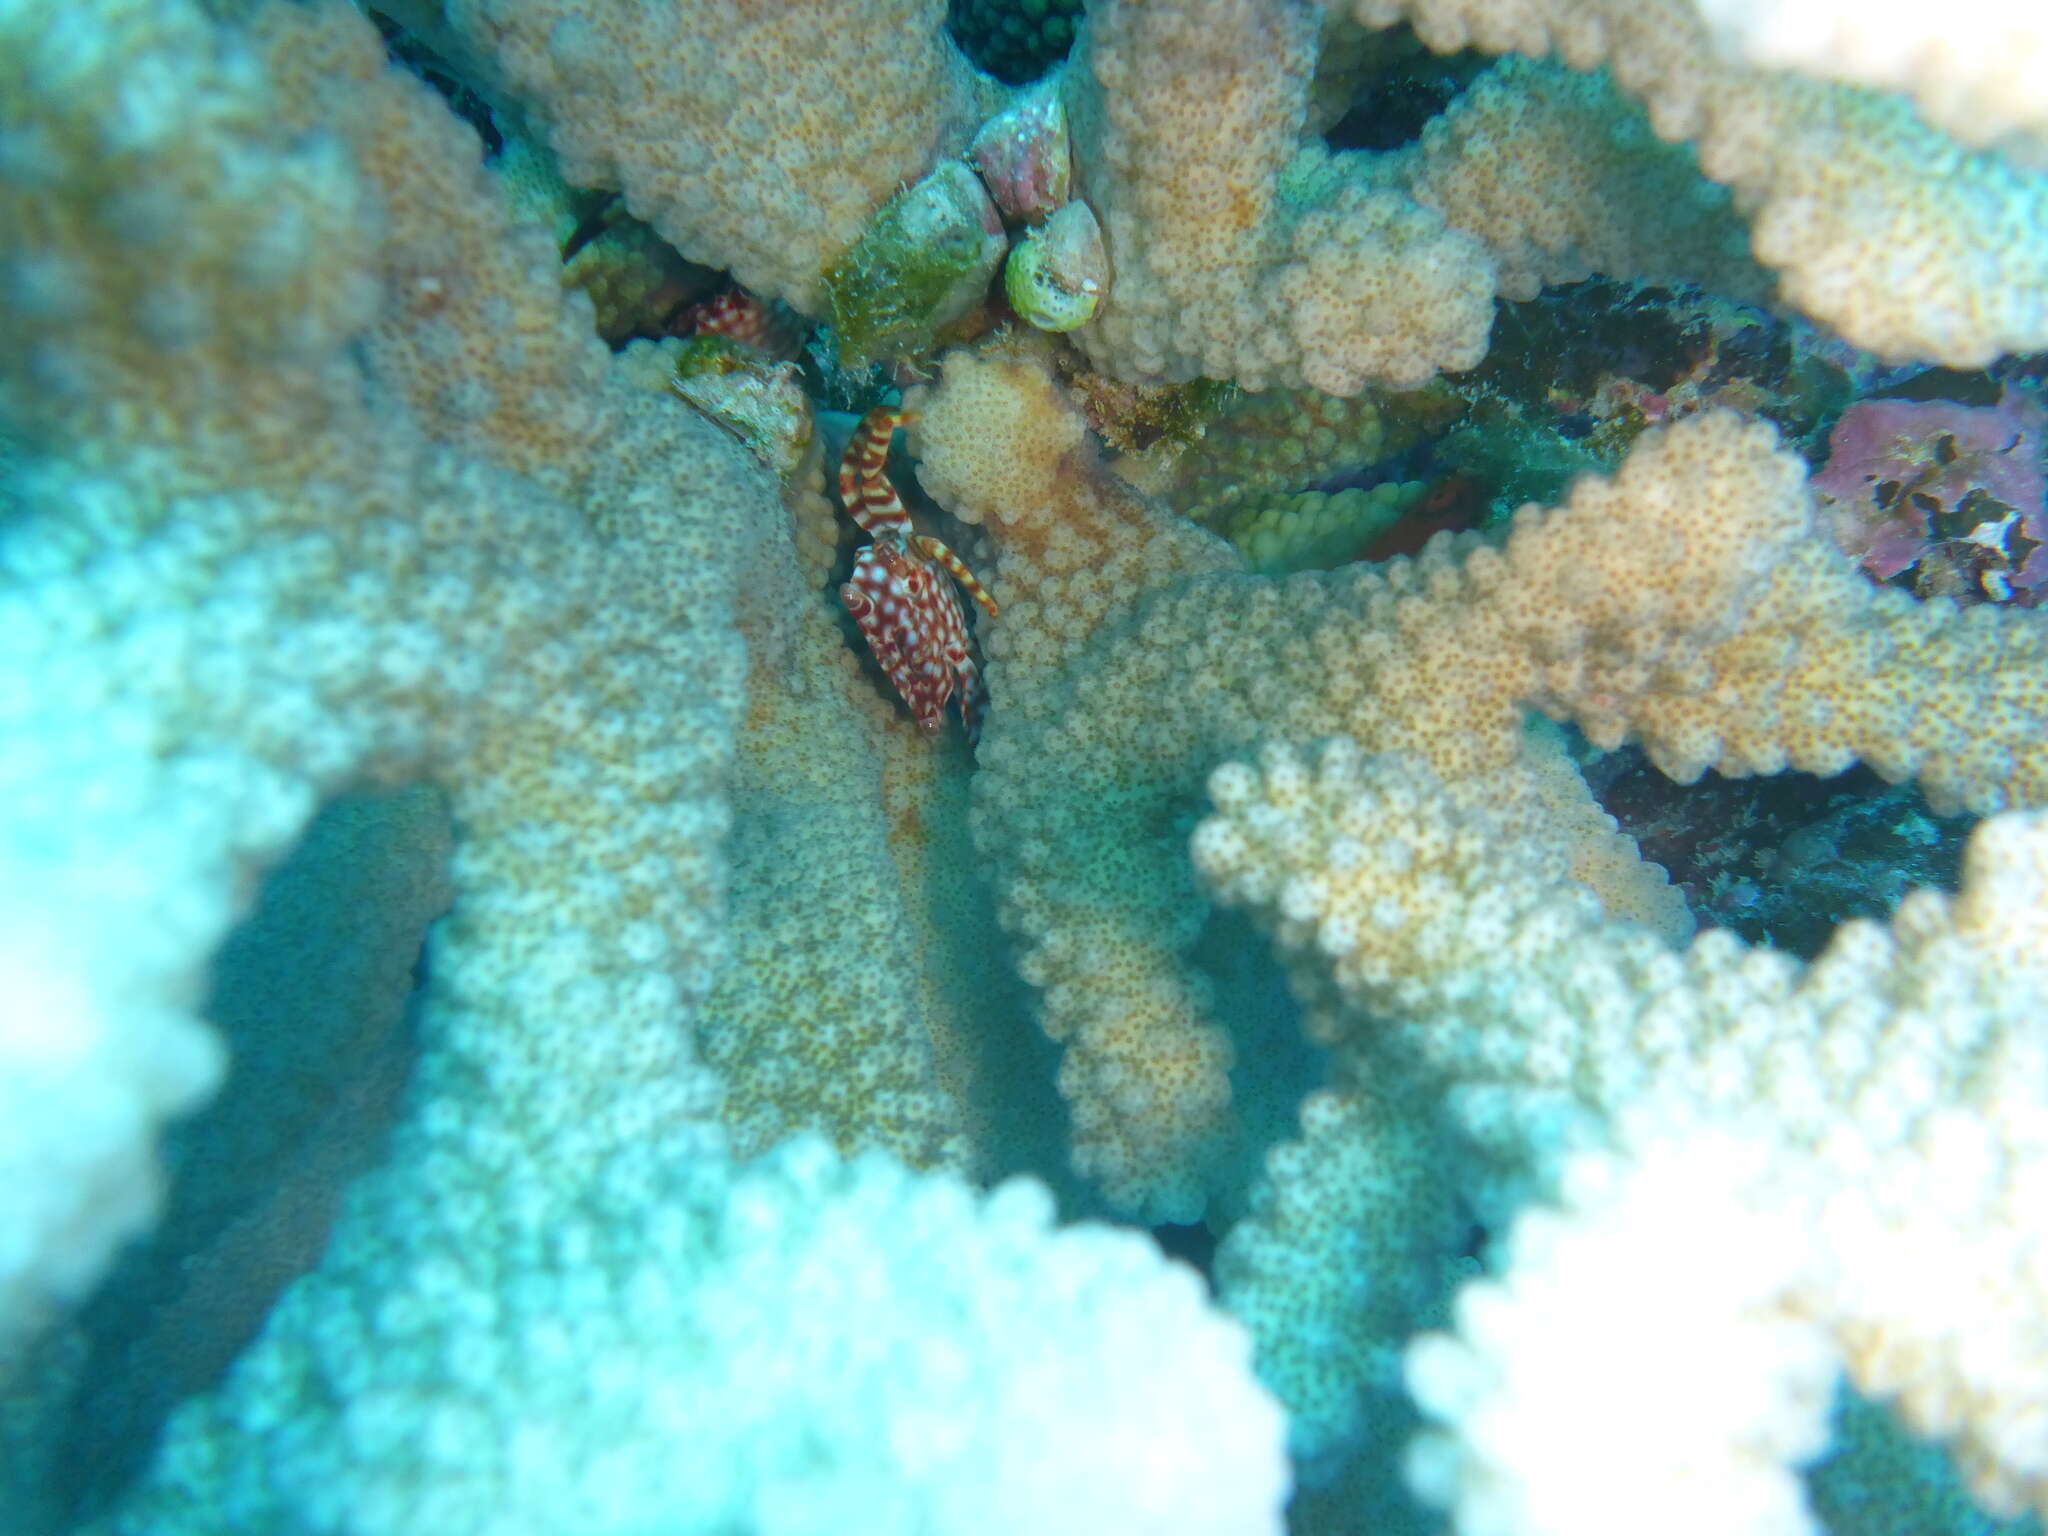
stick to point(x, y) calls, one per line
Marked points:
point(1577, 374)
point(1974, 388)
point(321, 1047)
point(409, 53)
point(1394, 108)
point(592, 225)
point(1193, 1245)
point(1784, 860)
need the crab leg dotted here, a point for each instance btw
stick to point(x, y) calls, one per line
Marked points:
point(932, 549)
point(864, 488)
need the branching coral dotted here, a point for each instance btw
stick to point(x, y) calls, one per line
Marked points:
point(315, 478)
point(1835, 1164)
point(1692, 601)
point(260, 613)
point(533, 595)
point(1975, 68)
point(1237, 252)
point(671, 1346)
point(1560, 175)
point(1875, 223)
point(755, 137)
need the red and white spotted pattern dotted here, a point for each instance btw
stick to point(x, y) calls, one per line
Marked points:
point(739, 317)
point(899, 594)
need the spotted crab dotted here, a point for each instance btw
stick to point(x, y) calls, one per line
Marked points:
point(898, 593)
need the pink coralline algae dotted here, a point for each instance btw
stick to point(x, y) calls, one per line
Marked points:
point(1947, 498)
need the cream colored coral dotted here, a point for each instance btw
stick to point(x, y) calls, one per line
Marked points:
point(676, 1344)
point(754, 137)
point(242, 577)
point(1559, 174)
point(1873, 1122)
point(1236, 252)
point(493, 357)
point(117, 226)
point(1568, 1403)
point(1724, 590)
point(992, 439)
point(1691, 600)
point(1145, 1070)
point(1350, 1232)
point(1875, 224)
point(991, 443)
point(531, 593)
point(1977, 68)
point(816, 1022)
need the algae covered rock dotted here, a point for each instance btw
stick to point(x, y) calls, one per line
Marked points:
point(924, 261)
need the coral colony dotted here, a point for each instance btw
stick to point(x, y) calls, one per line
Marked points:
point(1386, 875)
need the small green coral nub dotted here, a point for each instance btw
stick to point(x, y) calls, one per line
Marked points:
point(699, 355)
point(1318, 531)
point(1058, 273)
